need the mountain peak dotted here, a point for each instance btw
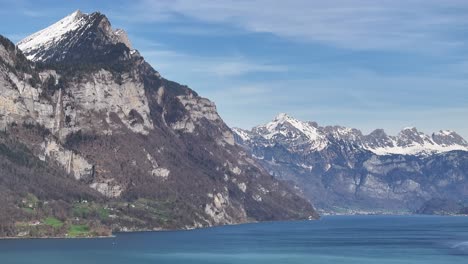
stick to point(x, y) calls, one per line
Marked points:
point(290, 130)
point(285, 129)
point(410, 128)
point(77, 13)
point(379, 132)
point(449, 138)
point(50, 35)
point(445, 132)
point(282, 117)
point(72, 38)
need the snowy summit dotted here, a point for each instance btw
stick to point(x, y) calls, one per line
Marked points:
point(51, 35)
point(293, 133)
point(55, 42)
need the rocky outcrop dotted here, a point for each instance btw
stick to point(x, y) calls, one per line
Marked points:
point(73, 163)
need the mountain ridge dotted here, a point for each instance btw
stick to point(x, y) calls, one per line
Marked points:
point(148, 153)
point(408, 141)
point(341, 170)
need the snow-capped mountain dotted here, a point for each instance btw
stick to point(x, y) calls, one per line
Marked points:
point(294, 133)
point(342, 170)
point(75, 32)
point(89, 119)
point(410, 141)
point(298, 134)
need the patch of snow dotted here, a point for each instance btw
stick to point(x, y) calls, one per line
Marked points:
point(52, 34)
point(416, 149)
point(242, 134)
point(446, 132)
point(305, 166)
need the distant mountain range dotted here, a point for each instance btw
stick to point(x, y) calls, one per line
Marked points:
point(409, 141)
point(94, 139)
point(341, 170)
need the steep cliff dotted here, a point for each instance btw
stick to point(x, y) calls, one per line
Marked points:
point(151, 152)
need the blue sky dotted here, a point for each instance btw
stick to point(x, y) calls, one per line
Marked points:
point(363, 64)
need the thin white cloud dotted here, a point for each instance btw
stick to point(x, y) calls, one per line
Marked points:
point(238, 67)
point(33, 13)
point(357, 24)
point(168, 61)
point(193, 30)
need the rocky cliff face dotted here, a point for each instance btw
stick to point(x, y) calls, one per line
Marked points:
point(343, 171)
point(159, 154)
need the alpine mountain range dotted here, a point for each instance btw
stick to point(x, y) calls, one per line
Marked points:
point(92, 135)
point(341, 170)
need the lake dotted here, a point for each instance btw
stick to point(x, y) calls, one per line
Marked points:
point(333, 239)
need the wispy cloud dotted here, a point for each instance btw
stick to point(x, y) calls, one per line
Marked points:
point(33, 13)
point(200, 30)
point(358, 24)
point(238, 67)
point(228, 66)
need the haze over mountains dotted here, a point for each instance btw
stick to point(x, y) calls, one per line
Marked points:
point(93, 136)
point(342, 170)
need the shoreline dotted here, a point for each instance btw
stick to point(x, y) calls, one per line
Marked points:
point(64, 237)
point(114, 234)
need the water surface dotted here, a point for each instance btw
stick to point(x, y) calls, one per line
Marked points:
point(333, 239)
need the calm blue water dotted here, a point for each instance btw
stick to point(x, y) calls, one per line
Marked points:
point(338, 239)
